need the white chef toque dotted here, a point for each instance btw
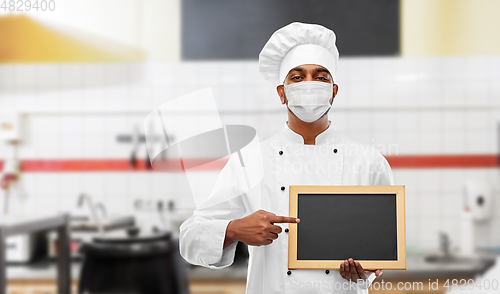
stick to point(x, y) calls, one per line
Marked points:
point(297, 44)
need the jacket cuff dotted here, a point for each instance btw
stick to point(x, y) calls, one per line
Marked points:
point(364, 285)
point(219, 257)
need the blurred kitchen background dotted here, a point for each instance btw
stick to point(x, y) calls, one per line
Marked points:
point(418, 79)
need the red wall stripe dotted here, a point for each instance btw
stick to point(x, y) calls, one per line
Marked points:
point(444, 161)
point(123, 165)
point(110, 165)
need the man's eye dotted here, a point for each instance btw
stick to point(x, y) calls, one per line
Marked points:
point(296, 78)
point(322, 78)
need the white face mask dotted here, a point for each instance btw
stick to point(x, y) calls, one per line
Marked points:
point(309, 100)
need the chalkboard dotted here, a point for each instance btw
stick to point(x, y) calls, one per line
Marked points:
point(365, 223)
point(227, 29)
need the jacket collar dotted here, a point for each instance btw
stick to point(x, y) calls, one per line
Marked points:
point(294, 138)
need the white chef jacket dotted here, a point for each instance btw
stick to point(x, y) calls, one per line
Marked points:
point(334, 160)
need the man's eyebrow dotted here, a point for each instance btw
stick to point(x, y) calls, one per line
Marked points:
point(319, 69)
point(316, 70)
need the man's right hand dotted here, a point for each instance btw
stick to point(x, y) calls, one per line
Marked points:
point(256, 229)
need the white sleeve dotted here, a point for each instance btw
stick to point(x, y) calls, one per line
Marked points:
point(382, 173)
point(362, 287)
point(202, 238)
point(202, 235)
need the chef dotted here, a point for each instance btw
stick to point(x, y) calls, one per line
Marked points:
point(301, 60)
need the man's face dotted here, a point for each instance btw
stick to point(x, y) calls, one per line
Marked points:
point(307, 72)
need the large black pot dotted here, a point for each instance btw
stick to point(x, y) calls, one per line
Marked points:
point(133, 265)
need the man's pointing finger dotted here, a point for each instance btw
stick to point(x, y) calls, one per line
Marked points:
point(284, 219)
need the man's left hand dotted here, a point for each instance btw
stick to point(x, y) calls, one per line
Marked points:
point(353, 271)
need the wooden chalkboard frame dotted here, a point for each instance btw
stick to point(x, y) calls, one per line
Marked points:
point(399, 191)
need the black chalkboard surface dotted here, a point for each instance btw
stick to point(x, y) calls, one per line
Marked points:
point(365, 223)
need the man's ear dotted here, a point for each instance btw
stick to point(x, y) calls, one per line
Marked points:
point(335, 90)
point(281, 92)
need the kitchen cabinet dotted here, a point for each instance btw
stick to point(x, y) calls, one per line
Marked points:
point(217, 287)
point(412, 286)
point(195, 286)
point(232, 280)
point(36, 287)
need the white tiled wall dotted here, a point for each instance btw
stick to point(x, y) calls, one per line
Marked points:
point(401, 105)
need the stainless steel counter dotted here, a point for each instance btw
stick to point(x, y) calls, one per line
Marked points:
point(47, 270)
point(26, 225)
point(418, 268)
point(44, 270)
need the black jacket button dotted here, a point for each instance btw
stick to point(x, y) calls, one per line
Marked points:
point(281, 152)
point(286, 230)
point(282, 188)
point(335, 150)
point(327, 272)
point(289, 272)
